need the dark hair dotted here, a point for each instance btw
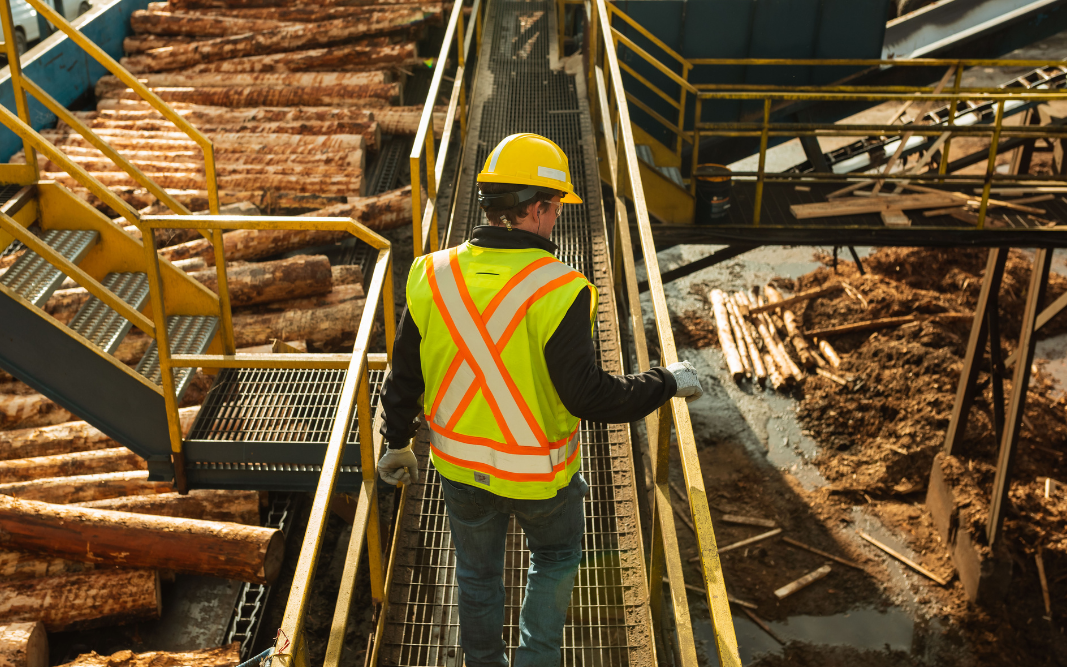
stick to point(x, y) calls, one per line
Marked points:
point(497, 216)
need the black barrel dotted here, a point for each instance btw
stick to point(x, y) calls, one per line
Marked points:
point(714, 183)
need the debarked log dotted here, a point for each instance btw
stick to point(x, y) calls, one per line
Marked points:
point(116, 459)
point(227, 656)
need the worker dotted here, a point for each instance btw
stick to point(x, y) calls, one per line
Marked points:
point(495, 349)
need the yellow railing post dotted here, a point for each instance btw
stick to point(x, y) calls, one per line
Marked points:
point(462, 63)
point(762, 162)
point(13, 62)
point(991, 165)
point(695, 157)
point(681, 112)
point(942, 168)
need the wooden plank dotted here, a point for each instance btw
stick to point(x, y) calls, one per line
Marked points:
point(797, 298)
point(819, 552)
point(748, 520)
point(803, 582)
point(752, 540)
point(869, 325)
point(904, 559)
point(895, 218)
point(861, 205)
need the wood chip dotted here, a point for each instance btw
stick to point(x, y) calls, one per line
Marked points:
point(763, 626)
point(748, 520)
point(806, 580)
point(904, 559)
point(752, 540)
point(819, 552)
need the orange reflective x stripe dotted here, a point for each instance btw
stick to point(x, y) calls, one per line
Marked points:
point(487, 334)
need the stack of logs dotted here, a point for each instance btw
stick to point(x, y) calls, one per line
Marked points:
point(762, 340)
point(86, 536)
point(294, 100)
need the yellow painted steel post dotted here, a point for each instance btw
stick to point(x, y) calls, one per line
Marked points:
point(431, 185)
point(657, 561)
point(15, 66)
point(681, 112)
point(225, 313)
point(389, 308)
point(695, 160)
point(591, 50)
point(762, 162)
point(991, 165)
point(159, 316)
point(943, 167)
point(415, 168)
point(478, 27)
point(462, 91)
point(370, 482)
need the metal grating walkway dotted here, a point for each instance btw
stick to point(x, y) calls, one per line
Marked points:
point(608, 622)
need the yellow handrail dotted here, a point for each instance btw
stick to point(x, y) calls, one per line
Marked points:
point(424, 228)
point(608, 98)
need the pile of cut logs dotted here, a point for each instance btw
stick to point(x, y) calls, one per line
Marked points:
point(762, 340)
point(293, 99)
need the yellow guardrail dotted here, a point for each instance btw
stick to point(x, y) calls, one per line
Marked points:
point(426, 237)
point(610, 112)
point(950, 91)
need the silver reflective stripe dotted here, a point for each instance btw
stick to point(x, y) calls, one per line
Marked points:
point(498, 150)
point(532, 464)
point(549, 172)
point(482, 357)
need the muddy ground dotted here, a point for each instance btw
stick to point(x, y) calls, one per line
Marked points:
point(874, 446)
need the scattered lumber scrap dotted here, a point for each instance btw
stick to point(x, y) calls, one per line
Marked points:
point(226, 656)
point(904, 559)
point(23, 645)
point(819, 552)
point(860, 206)
point(85, 600)
point(806, 580)
point(244, 553)
point(752, 540)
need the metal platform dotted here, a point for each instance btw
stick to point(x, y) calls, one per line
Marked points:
point(101, 324)
point(187, 334)
point(517, 91)
point(33, 278)
point(269, 428)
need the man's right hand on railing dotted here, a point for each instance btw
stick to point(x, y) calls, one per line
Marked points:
point(399, 465)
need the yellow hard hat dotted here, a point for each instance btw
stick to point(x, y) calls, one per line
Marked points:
point(529, 159)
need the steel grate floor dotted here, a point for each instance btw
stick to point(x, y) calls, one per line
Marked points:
point(608, 622)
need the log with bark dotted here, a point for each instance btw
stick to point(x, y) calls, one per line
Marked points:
point(308, 13)
point(290, 38)
point(74, 436)
point(338, 295)
point(368, 129)
point(116, 459)
point(19, 565)
point(204, 504)
point(382, 94)
point(350, 184)
point(135, 44)
point(793, 368)
point(796, 337)
point(380, 212)
point(358, 56)
point(30, 411)
point(14, 387)
point(226, 656)
point(271, 202)
point(81, 488)
point(223, 142)
point(739, 336)
point(23, 644)
point(329, 327)
point(109, 86)
point(81, 601)
point(199, 25)
point(245, 553)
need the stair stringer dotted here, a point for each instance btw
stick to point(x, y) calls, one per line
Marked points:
point(42, 352)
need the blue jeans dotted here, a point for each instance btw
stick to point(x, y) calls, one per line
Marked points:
point(554, 529)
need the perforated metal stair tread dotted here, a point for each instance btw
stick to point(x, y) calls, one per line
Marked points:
point(101, 324)
point(269, 428)
point(33, 278)
point(188, 334)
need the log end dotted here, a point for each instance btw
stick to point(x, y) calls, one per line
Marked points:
point(23, 644)
point(274, 557)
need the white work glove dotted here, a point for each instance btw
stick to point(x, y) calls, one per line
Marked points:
point(399, 465)
point(688, 383)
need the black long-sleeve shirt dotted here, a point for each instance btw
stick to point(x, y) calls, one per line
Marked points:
point(586, 390)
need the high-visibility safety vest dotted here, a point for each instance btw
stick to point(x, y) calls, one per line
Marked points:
point(485, 316)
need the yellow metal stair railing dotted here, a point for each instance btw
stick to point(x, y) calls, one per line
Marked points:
point(609, 107)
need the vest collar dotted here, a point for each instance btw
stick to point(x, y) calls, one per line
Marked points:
point(499, 238)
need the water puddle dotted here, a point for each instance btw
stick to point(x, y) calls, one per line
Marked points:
point(1051, 356)
point(864, 629)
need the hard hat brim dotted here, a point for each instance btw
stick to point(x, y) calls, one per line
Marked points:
point(570, 198)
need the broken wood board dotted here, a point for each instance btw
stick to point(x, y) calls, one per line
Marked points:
point(748, 520)
point(904, 559)
point(862, 205)
point(803, 582)
point(751, 540)
point(895, 218)
point(819, 552)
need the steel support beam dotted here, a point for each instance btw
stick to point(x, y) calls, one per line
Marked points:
point(1009, 442)
point(965, 391)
